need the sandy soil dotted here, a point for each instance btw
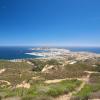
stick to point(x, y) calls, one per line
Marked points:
point(3, 81)
point(2, 70)
point(23, 85)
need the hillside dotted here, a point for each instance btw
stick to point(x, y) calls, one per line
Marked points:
point(49, 79)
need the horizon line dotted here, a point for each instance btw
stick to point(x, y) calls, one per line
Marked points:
point(42, 46)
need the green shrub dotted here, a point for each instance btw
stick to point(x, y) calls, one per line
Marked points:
point(63, 87)
point(38, 65)
point(53, 62)
point(85, 92)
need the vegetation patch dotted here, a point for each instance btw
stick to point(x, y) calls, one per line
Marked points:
point(63, 87)
point(95, 78)
point(41, 89)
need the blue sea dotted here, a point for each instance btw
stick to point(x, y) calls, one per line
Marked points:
point(9, 53)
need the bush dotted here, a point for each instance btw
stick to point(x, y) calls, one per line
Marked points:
point(63, 87)
point(38, 65)
point(85, 92)
point(53, 62)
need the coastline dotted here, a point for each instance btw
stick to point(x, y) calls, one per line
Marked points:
point(35, 53)
point(63, 54)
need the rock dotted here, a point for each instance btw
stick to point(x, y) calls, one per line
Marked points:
point(51, 68)
point(23, 85)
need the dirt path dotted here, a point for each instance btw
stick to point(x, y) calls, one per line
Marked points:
point(54, 81)
point(59, 80)
point(12, 98)
point(69, 95)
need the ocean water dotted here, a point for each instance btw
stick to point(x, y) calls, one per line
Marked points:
point(16, 53)
point(19, 52)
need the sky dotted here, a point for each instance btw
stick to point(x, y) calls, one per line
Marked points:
point(49, 22)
